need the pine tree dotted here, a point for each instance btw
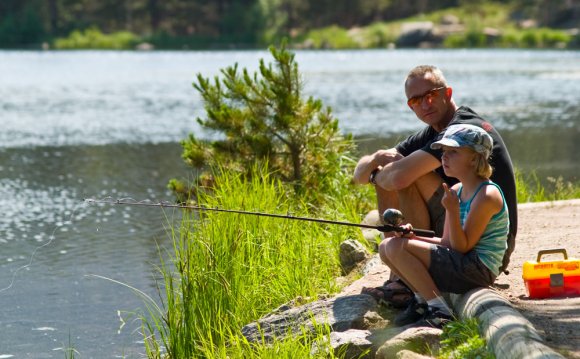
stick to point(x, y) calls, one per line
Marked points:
point(264, 117)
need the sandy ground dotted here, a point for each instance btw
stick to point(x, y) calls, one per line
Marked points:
point(546, 225)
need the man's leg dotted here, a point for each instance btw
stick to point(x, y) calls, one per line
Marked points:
point(414, 200)
point(414, 204)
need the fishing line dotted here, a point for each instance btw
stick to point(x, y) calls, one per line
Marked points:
point(388, 226)
point(51, 239)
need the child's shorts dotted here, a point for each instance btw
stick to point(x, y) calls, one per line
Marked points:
point(455, 272)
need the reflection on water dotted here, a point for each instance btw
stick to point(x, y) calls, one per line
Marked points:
point(53, 296)
point(85, 124)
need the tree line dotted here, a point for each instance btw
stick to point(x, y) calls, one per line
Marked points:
point(224, 22)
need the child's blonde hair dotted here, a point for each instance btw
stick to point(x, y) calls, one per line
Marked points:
point(482, 167)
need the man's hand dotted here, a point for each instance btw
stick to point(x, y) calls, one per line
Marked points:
point(369, 163)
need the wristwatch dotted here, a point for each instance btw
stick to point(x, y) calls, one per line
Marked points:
point(373, 176)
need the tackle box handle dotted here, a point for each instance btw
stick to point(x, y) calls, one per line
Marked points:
point(551, 251)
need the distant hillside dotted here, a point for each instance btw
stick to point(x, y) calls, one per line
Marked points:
point(308, 23)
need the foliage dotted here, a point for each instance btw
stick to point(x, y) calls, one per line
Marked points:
point(263, 117)
point(231, 269)
point(20, 23)
point(461, 339)
point(531, 189)
point(93, 38)
point(332, 37)
point(253, 23)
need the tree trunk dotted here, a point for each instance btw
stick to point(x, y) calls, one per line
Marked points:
point(53, 13)
point(154, 15)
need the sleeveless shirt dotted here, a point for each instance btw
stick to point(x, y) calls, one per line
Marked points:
point(493, 242)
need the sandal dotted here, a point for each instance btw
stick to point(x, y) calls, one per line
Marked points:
point(388, 296)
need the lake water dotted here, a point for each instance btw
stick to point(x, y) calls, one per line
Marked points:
point(77, 125)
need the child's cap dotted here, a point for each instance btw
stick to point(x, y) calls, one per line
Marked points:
point(466, 136)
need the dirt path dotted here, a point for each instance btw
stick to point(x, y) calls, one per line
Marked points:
point(546, 225)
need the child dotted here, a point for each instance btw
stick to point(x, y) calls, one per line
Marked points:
point(470, 252)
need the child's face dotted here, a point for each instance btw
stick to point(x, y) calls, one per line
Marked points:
point(457, 161)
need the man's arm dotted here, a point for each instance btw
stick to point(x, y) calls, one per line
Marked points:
point(368, 163)
point(400, 174)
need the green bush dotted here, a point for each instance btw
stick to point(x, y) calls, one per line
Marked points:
point(472, 38)
point(262, 117)
point(93, 38)
point(332, 37)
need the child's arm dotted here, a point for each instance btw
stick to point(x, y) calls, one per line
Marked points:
point(487, 203)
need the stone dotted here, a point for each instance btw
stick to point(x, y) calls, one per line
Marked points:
point(417, 339)
point(352, 343)
point(407, 354)
point(340, 313)
point(415, 33)
point(352, 253)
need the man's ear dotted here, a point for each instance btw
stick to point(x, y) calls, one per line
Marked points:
point(448, 92)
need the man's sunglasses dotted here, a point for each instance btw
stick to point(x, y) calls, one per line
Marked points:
point(429, 95)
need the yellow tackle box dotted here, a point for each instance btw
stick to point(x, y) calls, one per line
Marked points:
point(552, 278)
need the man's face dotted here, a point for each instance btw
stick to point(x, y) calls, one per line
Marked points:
point(429, 101)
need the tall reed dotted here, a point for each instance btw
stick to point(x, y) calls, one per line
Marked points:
point(231, 269)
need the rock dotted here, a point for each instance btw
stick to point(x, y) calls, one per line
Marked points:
point(415, 33)
point(351, 254)
point(450, 19)
point(352, 343)
point(375, 273)
point(372, 219)
point(340, 313)
point(417, 339)
point(407, 354)
point(144, 46)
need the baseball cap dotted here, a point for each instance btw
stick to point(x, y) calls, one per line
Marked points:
point(464, 135)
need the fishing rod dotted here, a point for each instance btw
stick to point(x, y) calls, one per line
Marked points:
point(392, 218)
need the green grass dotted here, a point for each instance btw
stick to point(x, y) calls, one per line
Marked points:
point(230, 269)
point(531, 189)
point(461, 339)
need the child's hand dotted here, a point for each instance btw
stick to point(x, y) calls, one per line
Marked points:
point(450, 200)
point(408, 231)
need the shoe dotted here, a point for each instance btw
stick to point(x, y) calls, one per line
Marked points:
point(414, 312)
point(386, 295)
point(435, 318)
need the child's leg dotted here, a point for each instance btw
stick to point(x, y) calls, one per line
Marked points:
point(410, 259)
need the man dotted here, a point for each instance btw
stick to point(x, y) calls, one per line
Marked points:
point(409, 176)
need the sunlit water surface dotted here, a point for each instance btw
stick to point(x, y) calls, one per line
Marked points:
point(77, 125)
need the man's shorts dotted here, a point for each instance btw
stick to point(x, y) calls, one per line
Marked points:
point(437, 211)
point(455, 272)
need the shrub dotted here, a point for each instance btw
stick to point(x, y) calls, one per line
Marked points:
point(332, 37)
point(263, 118)
point(93, 38)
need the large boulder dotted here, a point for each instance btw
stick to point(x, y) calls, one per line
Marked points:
point(414, 34)
point(340, 313)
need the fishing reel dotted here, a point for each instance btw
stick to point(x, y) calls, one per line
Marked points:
point(393, 219)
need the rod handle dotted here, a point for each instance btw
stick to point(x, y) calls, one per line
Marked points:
point(418, 232)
